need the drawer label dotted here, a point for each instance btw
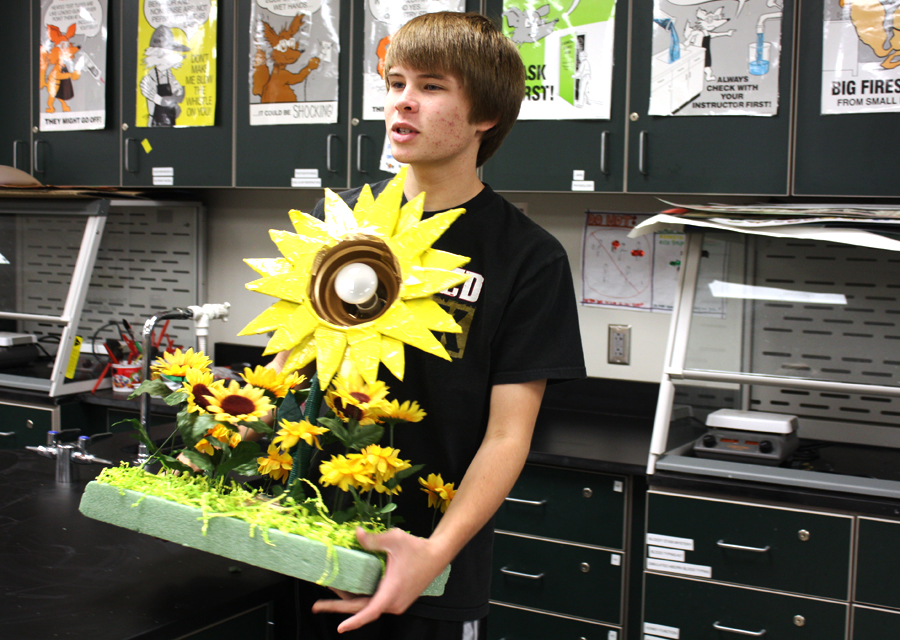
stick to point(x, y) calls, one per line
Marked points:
point(661, 631)
point(646, 637)
point(676, 555)
point(682, 568)
point(670, 541)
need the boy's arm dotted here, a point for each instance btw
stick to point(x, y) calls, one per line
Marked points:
point(414, 562)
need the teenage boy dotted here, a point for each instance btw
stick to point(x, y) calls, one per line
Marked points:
point(455, 85)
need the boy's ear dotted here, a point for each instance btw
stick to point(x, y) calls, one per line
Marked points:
point(487, 125)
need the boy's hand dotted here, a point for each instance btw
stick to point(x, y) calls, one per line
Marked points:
point(411, 566)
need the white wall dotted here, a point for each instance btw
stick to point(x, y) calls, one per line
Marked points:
point(239, 220)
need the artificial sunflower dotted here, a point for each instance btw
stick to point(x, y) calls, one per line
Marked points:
point(353, 397)
point(277, 383)
point(409, 411)
point(383, 463)
point(396, 243)
point(197, 385)
point(225, 435)
point(433, 486)
point(292, 432)
point(345, 472)
point(277, 464)
point(178, 363)
point(234, 403)
point(447, 493)
point(205, 447)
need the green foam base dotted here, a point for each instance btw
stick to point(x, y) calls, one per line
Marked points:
point(346, 569)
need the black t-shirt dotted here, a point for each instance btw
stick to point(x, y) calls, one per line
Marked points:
point(519, 319)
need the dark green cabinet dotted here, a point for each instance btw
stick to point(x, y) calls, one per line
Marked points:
point(878, 563)
point(709, 154)
point(15, 78)
point(836, 155)
point(680, 608)
point(594, 147)
point(510, 623)
point(25, 424)
point(875, 624)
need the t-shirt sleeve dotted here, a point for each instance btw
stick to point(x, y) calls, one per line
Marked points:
point(539, 337)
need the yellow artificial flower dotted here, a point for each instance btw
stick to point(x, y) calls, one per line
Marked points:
point(205, 447)
point(225, 435)
point(383, 463)
point(233, 403)
point(447, 492)
point(292, 432)
point(409, 411)
point(197, 385)
point(178, 364)
point(353, 397)
point(433, 486)
point(277, 464)
point(345, 472)
point(307, 325)
point(277, 383)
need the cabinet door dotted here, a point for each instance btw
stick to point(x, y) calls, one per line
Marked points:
point(196, 156)
point(705, 154)
point(873, 624)
point(841, 154)
point(367, 136)
point(24, 425)
point(676, 607)
point(878, 563)
point(15, 78)
point(563, 578)
point(267, 156)
point(542, 155)
point(79, 157)
point(563, 504)
point(783, 549)
point(508, 623)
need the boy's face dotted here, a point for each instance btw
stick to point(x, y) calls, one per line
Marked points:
point(427, 118)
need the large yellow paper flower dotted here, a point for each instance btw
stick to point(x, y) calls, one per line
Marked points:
point(313, 324)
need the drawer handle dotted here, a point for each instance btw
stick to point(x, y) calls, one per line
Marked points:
point(532, 503)
point(517, 574)
point(725, 545)
point(740, 632)
point(7, 434)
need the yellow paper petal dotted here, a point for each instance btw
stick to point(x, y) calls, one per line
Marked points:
point(330, 347)
point(414, 241)
point(300, 325)
point(365, 351)
point(393, 356)
point(411, 213)
point(291, 245)
point(270, 319)
point(308, 226)
point(300, 356)
point(437, 259)
point(372, 215)
point(268, 266)
point(430, 281)
point(339, 218)
point(401, 324)
point(385, 211)
point(432, 315)
point(293, 286)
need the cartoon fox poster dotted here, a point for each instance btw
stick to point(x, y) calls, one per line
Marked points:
point(294, 55)
point(176, 69)
point(72, 65)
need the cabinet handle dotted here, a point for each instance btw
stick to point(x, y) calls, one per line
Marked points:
point(740, 632)
point(725, 545)
point(328, 140)
point(642, 153)
point(359, 147)
point(38, 167)
point(128, 143)
point(533, 503)
point(7, 434)
point(529, 576)
point(604, 153)
point(16, 144)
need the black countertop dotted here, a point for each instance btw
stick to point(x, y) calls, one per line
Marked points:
point(64, 575)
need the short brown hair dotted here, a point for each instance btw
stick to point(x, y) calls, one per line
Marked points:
point(470, 47)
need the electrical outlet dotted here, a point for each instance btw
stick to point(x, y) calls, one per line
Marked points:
point(619, 348)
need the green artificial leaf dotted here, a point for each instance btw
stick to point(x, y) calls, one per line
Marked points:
point(401, 475)
point(259, 427)
point(173, 464)
point(156, 388)
point(242, 456)
point(340, 517)
point(201, 460)
point(290, 408)
point(197, 430)
point(337, 428)
point(297, 490)
point(390, 506)
point(141, 435)
point(176, 398)
point(364, 436)
point(134, 423)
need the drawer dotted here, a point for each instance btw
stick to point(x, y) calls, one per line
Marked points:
point(562, 578)
point(872, 624)
point(507, 623)
point(697, 610)
point(878, 563)
point(776, 548)
point(563, 504)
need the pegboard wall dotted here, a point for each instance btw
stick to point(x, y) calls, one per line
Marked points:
point(857, 342)
point(151, 259)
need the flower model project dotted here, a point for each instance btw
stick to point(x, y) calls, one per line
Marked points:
point(352, 290)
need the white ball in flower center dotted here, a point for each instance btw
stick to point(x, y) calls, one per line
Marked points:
point(356, 283)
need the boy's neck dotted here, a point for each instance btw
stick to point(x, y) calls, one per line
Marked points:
point(444, 189)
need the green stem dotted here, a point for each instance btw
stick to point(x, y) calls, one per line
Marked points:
point(311, 414)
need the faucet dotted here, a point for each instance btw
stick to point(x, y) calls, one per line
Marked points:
point(67, 453)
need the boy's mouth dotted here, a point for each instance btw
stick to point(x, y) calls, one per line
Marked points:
point(403, 129)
